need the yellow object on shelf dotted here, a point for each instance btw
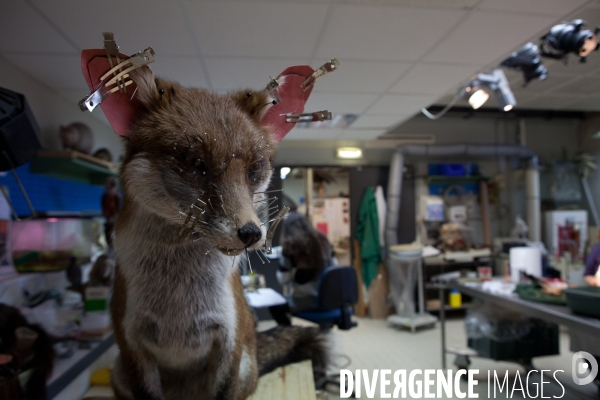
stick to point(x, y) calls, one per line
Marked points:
point(455, 299)
point(101, 377)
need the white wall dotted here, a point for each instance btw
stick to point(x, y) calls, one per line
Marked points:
point(51, 110)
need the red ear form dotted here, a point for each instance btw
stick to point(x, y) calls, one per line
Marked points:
point(120, 108)
point(292, 97)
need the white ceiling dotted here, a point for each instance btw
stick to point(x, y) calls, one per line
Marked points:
point(396, 55)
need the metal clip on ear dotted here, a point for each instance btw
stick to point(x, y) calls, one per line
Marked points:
point(308, 117)
point(272, 89)
point(136, 61)
point(320, 72)
point(272, 228)
point(112, 51)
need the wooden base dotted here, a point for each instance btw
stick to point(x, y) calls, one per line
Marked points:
point(292, 382)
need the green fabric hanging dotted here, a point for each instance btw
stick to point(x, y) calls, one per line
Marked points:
point(367, 234)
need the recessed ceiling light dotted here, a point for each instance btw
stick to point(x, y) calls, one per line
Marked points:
point(349, 152)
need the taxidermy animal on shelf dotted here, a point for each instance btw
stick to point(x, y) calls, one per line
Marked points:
point(181, 321)
point(77, 136)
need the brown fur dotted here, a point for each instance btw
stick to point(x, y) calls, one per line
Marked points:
point(181, 320)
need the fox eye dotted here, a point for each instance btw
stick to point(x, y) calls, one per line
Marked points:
point(196, 164)
point(254, 169)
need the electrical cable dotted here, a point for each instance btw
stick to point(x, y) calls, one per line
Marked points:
point(445, 109)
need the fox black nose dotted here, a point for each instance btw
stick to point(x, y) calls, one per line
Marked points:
point(249, 234)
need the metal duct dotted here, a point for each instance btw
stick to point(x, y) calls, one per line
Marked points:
point(468, 150)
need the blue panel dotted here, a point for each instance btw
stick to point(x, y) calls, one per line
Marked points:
point(51, 194)
point(438, 189)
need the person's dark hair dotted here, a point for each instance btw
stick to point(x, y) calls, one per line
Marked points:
point(304, 245)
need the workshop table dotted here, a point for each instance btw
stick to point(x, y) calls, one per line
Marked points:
point(557, 314)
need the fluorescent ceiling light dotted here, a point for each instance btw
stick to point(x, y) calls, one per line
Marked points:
point(349, 152)
point(478, 98)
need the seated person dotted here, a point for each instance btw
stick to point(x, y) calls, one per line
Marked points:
point(306, 252)
point(591, 266)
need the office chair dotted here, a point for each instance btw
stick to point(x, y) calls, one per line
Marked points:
point(338, 292)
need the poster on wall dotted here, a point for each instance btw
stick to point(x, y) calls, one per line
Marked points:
point(332, 218)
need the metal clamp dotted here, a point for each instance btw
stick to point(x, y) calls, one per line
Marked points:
point(272, 89)
point(320, 72)
point(308, 117)
point(138, 60)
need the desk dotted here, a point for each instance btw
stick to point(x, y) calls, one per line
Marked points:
point(264, 297)
point(561, 315)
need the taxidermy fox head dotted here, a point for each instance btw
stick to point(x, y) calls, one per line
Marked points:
point(192, 152)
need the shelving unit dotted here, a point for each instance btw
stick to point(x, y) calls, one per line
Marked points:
point(73, 166)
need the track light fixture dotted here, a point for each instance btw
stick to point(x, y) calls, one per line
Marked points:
point(478, 92)
point(496, 83)
point(569, 37)
point(527, 60)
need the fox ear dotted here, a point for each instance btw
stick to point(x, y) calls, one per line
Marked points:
point(254, 103)
point(146, 86)
point(293, 98)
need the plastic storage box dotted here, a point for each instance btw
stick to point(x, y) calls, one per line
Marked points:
point(584, 300)
point(542, 340)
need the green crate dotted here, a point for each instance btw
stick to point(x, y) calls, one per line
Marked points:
point(584, 300)
point(542, 340)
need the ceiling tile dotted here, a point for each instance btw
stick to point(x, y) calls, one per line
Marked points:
point(583, 85)
point(18, 18)
point(257, 28)
point(384, 33)
point(556, 8)
point(58, 72)
point(397, 104)
point(484, 36)
point(339, 103)
point(137, 24)
point(185, 70)
point(536, 86)
point(434, 78)
point(574, 67)
point(312, 134)
point(376, 121)
point(360, 134)
point(362, 76)
point(237, 73)
point(458, 4)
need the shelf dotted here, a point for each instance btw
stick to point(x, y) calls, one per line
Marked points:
point(73, 166)
point(435, 307)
